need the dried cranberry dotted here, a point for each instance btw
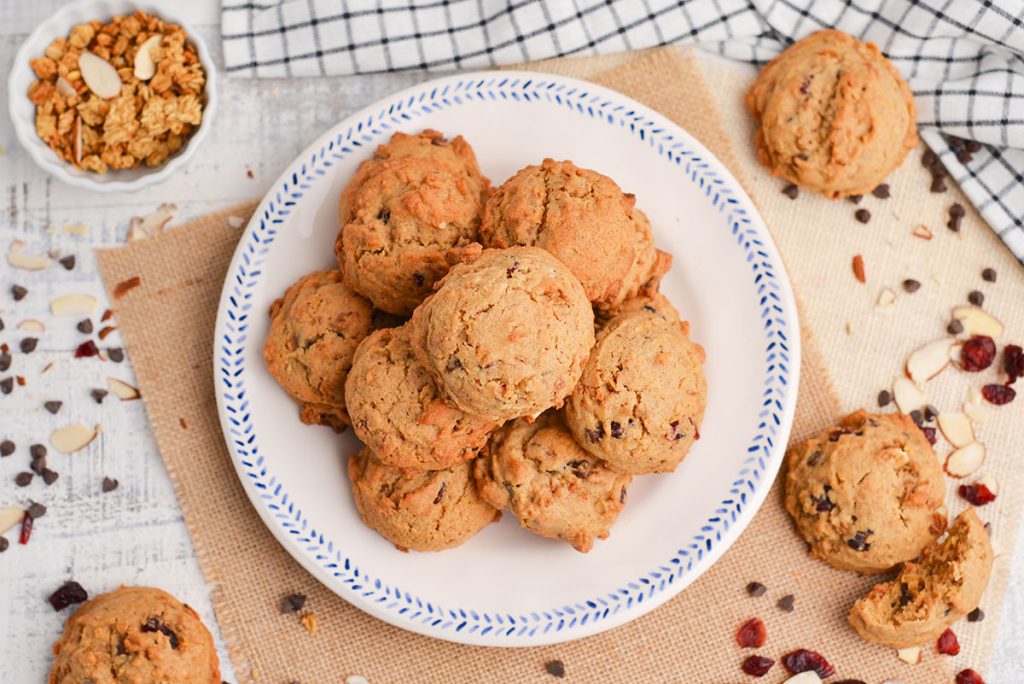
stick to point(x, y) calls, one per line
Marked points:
point(969, 676)
point(977, 494)
point(977, 353)
point(675, 433)
point(751, 634)
point(802, 660)
point(26, 528)
point(859, 541)
point(617, 432)
point(998, 394)
point(67, 594)
point(756, 666)
point(947, 644)
point(929, 434)
point(823, 504)
point(87, 348)
point(1013, 361)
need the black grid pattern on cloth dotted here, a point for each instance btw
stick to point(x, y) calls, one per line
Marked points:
point(964, 59)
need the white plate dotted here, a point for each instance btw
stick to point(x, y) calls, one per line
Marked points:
point(507, 587)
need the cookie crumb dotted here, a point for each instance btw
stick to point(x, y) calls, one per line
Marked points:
point(308, 621)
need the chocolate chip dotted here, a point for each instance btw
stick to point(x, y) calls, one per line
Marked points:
point(814, 458)
point(36, 510)
point(109, 484)
point(84, 326)
point(915, 416)
point(957, 210)
point(98, 395)
point(18, 292)
point(989, 275)
point(884, 398)
point(28, 345)
point(53, 406)
point(7, 385)
point(384, 215)
point(4, 544)
point(68, 262)
point(976, 615)
point(823, 504)
point(938, 184)
point(440, 493)
point(756, 589)
point(23, 479)
point(930, 413)
point(115, 354)
point(911, 285)
point(38, 465)
point(153, 624)
point(5, 361)
point(555, 668)
point(859, 541)
point(955, 327)
point(862, 215)
point(6, 447)
point(581, 468)
point(453, 364)
point(855, 198)
point(420, 280)
point(595, 435)
point(954, 224)
point(69, 593)
point(882, 191)
point(512, 269)
point(785, 603)
point(791, 191)
point(37, 451)
point(617, 432)
point(905, 596)
point(975, 297)
point(293, 603)
point(49, 476)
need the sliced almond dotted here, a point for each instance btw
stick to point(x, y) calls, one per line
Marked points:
point(65, 88)
point(74, 305)
point(858, 269)
point(977, 321)
point(10, 516)
point(20, 259)
point(122, 390)
point(928, 361)
point(974, 395)
point(954, 354)
point(99, 75)
point(32, 325)
point(146, 226)
point(147, 57)
point(236, 221)
point(72, 438)
point(886, 298)
point(76, 229)
point(922, 231)
point(956, 428)
point(910, 655)
point(808, 677)
point(976, 412)
point(908, 396)
point(990, 482)
point(78, 139)
point(965, 460)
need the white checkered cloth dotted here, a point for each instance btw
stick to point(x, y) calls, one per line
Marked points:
point(964, 59)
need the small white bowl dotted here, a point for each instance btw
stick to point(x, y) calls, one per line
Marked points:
point(23, 112)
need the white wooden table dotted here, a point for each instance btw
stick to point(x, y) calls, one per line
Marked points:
point(135, 534)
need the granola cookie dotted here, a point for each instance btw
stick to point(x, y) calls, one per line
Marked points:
point(579, 215)
point(506, 335)
point(929, 594)
point(640, 402)
point(314, 331)
point(556, 489)
point(455, 155)
point(398, 411)
point(420, 510)
point(135, 634)
point(834, 115)
point(866, 494)
point(406, 216)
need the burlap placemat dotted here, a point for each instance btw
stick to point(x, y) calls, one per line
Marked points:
point(167, 323)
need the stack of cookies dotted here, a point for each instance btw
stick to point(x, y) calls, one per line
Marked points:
point(493, 349)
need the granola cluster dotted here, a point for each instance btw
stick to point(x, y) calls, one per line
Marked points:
point(145, 118)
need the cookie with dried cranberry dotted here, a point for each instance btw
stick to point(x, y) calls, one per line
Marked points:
point(135, 634)
point(426, 510)
point(556, 489)
point(640, 401)
point(834, 115)
point(580, 216)
point(314, 331)
point(506, 335)
point(929, 594)
point(868, 493)
point(398, 411)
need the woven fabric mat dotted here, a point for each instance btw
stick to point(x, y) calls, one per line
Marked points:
point(167, 323)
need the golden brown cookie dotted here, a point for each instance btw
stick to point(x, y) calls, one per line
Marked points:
point(398, 411)
point(580, 216)
point(134, 635)
point(556, 489)
point(640, 402)
point(314, 331)
point(506, 335)
point(421, 510)
point(645, 273)
point(930, 594)
point(834, 115)
point(866, 494)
